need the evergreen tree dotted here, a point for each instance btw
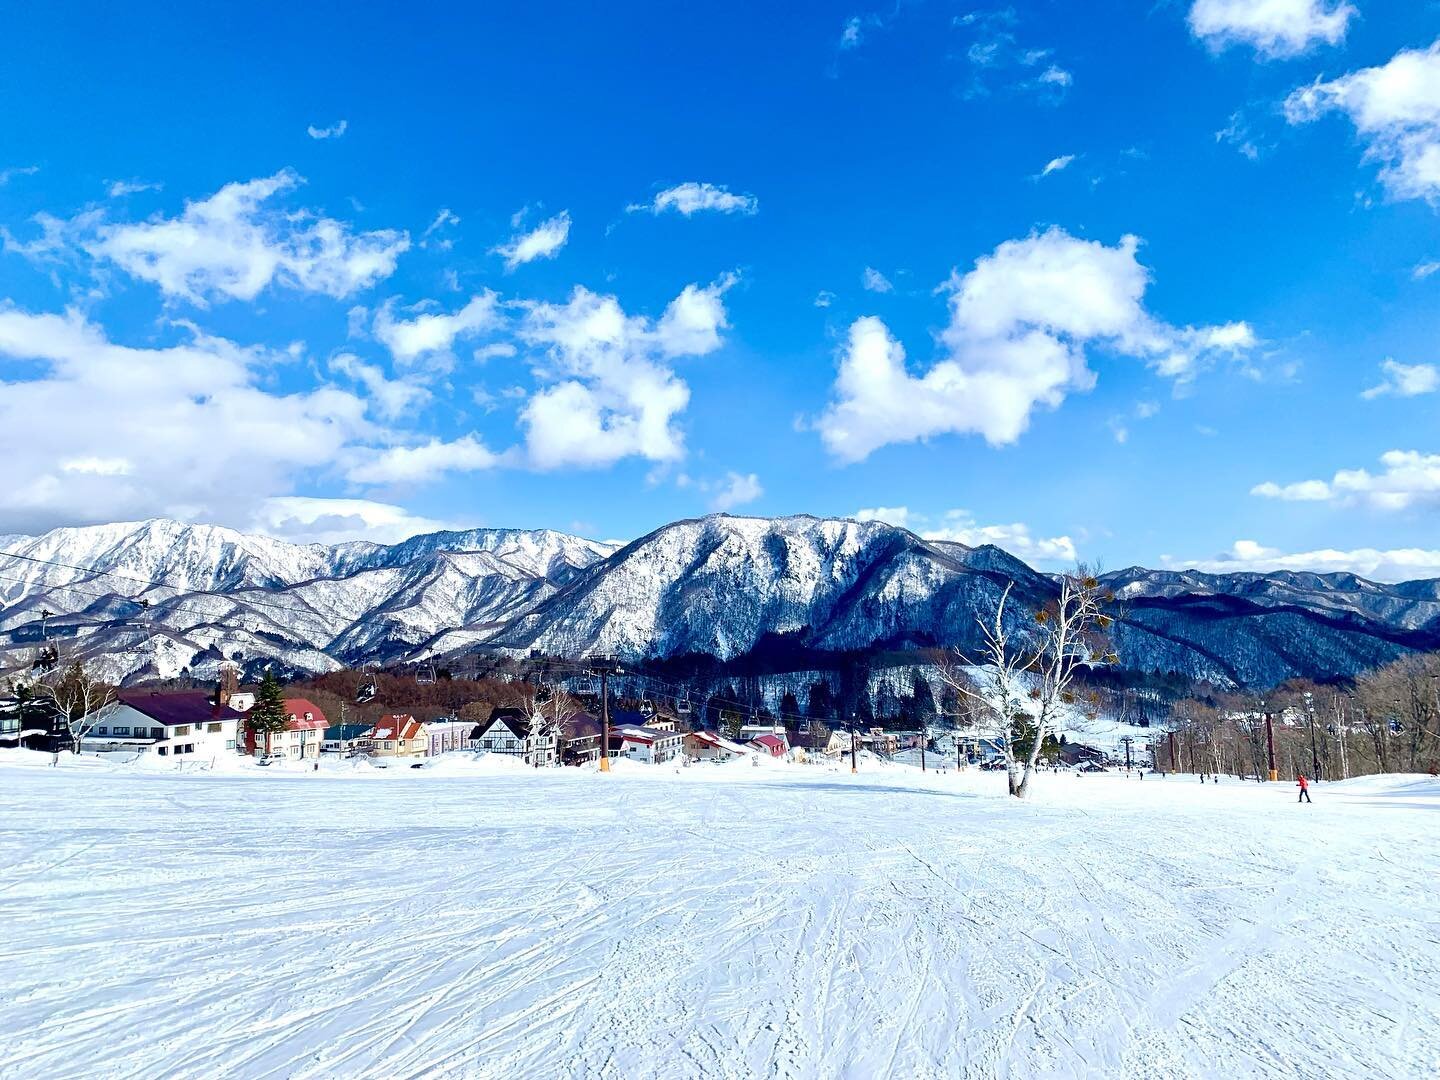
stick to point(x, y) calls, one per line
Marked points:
point(789, 707)
point(820, 705)
point(268, 716)
point(923, 700)
point(1022, 739)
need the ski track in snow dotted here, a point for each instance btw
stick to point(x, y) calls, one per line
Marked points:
point(786, 921)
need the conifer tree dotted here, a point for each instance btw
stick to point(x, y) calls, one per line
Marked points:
point(268, 716)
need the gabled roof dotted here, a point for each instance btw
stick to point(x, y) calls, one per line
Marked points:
point(175, 707)
point(774, 743)
point(641, 734)
point(712, 738)
point(346, 732)
point(581, 726)
point(515, 721)
point(398, 726)
point(297, 708)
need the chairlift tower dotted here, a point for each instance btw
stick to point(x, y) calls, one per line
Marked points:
point(603, 667)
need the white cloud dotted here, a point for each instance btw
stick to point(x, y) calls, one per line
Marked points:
point(874, 281)
point(1274, 28)
point(736, 490)
point(694, 198)
point(960, 527)
point(824, 298)
point(494, 349)
point(1058, 164)
point(1405, 380)
point(1425, 269)
point(1237, 134)
point(393, 398)
point(1020, 322)
point(97, 466)
point(899, 516)
point(6, 175)
point(1410, 478)
point(1396, 109)
point(998, 58)
point(233, 245)
point(542, 242)
point(611, 393)
point(1399, 564)
point(308, 520)
point(852, 33)
point(118, 189)
point(334, 131)
point(429, 335)
point(443, 220)
point(423, 463)
point(98, 431)
point(1303, 491)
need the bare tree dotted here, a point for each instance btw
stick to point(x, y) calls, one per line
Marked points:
point(84, 700)
point(994, 691)
point(1069, 638)
point(547, 709)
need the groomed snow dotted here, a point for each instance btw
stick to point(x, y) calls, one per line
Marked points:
point(482, 920)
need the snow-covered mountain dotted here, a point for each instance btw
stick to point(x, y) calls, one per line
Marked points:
point(155, 597)
point(798, 591)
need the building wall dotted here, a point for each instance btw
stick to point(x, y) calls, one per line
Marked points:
point(208, 739)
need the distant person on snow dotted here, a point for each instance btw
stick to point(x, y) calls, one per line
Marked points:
point(1304, 788)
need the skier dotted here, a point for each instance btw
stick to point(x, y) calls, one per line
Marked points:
point(1304, 788)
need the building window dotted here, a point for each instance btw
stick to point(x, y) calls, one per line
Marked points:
point(122, 731)
point(214, 729)
point(229, 744)
point(101, 731)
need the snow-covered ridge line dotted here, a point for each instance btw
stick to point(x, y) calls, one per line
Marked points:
point(794, 591)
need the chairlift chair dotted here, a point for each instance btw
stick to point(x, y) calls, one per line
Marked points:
point(368, 688)
point(47, 657)
point(426, 675)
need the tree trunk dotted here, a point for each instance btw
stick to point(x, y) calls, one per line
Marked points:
point(1022, 789)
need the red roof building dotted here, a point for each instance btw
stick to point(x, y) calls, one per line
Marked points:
point(774, 745)
point(303, 734)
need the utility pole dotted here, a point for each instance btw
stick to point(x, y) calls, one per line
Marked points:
point(1314, 753)
point(604, 667)
point(1270, 743)
point(853, 766)
point(1127, 740)
point(1174, 763)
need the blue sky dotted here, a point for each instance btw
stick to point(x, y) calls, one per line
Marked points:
point(595, 268)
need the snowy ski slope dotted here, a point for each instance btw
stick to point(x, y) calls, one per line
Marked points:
point(473, 920)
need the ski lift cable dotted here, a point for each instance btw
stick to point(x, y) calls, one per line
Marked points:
point(581, 668)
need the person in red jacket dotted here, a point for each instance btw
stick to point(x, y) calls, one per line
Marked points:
point(1304, 788)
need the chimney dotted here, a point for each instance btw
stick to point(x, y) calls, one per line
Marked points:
point(228, 682)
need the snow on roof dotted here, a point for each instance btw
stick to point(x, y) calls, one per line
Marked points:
point(304, 715)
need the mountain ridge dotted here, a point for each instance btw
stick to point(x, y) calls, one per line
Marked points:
point(154, 598)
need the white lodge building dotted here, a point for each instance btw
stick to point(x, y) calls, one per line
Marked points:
point(166, 723)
